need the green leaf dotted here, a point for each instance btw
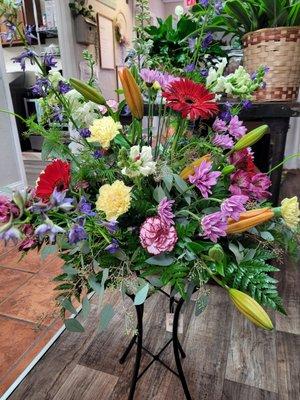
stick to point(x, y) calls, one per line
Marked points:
point(84, 247)
point(106, 315)
point(238, 255)
point(267, 236)
point(47, 250)
point(168, 180)
point(94, 284)
point(158, 193)
point(68, 269)
point(67, 304)
point(199, 247)
point(86, 307)
point(141, 295)
point(73, 325)
point(201, 303)
point(161, 259)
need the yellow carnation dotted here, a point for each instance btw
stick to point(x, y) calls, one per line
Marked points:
point(104, 130)
point(114, 199)
point(290, 211)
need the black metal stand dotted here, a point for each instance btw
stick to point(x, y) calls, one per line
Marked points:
point(138, 340)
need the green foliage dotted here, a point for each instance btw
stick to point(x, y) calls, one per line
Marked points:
point(240, 17)
point(251, 276)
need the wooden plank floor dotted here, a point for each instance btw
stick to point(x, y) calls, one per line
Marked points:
point(227, 358)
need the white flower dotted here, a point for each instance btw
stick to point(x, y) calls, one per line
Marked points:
point(141, 162)
point(54, 77)
point(214, 74)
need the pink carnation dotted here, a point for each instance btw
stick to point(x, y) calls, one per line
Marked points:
point(157, 237)
point(204, 178)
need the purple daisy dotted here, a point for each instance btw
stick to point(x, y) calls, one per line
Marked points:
point(214, 226)
point(204, 178)
point(236, 127)
point(149, 76)
point(219, 125)
point(234, 206)
point(224, 141)
point(165, 211)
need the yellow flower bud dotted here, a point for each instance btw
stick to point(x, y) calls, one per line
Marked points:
point(156, 86)
point(251, 309)
point(190, 169)
point(290, 211)
point(132, 93)
point(250, 138)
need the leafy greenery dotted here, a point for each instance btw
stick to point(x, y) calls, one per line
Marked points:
point(239, 17)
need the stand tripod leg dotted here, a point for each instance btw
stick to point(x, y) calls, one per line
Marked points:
point(139, 313)
point(171, 307)
point(127, 351)
point(177, 347)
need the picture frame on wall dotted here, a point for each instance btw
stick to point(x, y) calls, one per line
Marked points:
point(106, 42)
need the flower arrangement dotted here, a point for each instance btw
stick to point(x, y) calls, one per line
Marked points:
point(138, 208)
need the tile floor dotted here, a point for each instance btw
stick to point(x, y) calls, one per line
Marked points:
point(28, 313)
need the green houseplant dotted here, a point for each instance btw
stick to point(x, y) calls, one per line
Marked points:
point(270, 32)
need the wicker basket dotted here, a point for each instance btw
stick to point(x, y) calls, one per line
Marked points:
point(279, 49)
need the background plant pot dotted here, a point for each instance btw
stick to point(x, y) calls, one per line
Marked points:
point(36, 142)
point(278, 49)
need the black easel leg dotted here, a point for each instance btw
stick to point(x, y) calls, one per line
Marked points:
point(172, 302)
point(139, 314)
point(127, 351)
point(176, 348)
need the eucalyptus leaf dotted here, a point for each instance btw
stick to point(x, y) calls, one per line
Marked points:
point(161, 259)
point(158, 194)
point(267, 236)
point(67, 304)
point(86, 307)
point(94, 284)
point(69, 269)
point(235, 250)
point(73, 325)
point(201, 303)
point(106, 315)
point(47, 250)
point(141, 295)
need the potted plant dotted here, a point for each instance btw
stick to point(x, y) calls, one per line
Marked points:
point(270, 34)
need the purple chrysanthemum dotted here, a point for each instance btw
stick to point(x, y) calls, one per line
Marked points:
point(164, 211)
point(219, 125)
point(204, 178)
point(224, 141)
point(149, 76)
point(234, 206)
point(214, 226)
point(236, 127)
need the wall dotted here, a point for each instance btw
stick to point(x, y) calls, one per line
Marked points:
point(157, 8)
point(170, 7)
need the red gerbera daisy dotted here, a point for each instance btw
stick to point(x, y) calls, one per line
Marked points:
point(55, 175)
point(192, 99)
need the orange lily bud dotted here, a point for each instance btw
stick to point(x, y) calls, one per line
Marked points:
point(190, 169)
point(132, 93)
point(249, 219)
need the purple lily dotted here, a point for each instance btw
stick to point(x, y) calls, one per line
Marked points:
point(12, 234)
point(41, 87)
point(10, 34)
point(85, 207)
point(113, 247)
point(57, 114)
point(63, 87)
point(85, 133)
point(49, 60)
point(29, 29)
point(59, 199)
point(48, 228)
point(21, 58)
point(77, 232)
point(207, 41)
point(111, 226)
point(190, 67)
